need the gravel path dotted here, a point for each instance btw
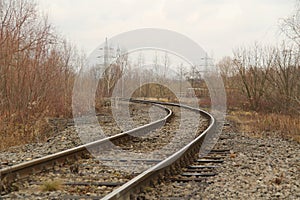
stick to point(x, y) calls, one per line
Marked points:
point(257, 168)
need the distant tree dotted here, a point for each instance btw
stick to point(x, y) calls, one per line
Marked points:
point(226, 67)
point(253, 66)
point(288, 60)
point(284, 90)
point(290, 26)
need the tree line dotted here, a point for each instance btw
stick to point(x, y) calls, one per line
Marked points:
point(37, 68)
point(266, 78)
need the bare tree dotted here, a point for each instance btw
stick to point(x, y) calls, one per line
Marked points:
point(227, 70)
point(284, 79)
point(288, 61)
point(114, 72)
point(253, 65)
point(36, 71)
point(291, 26)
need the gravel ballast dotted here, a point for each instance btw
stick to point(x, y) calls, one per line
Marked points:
point(69, 137)
point(106, 170)
point(257, 168)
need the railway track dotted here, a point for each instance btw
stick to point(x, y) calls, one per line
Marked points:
point(192, 180)
point(64, 135)
point(23, 170)
point(102, 173)
point(168, 167)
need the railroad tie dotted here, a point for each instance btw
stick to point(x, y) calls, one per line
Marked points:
point(202, 168)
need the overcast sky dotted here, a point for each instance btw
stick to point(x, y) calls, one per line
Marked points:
point(217, 26)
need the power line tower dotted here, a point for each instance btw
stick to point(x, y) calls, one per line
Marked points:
point(107, 70)
point(206, 63)
point(106, 53)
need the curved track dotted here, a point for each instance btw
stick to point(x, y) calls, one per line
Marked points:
point(23, 170)
point(161, 169)
point(168, 167)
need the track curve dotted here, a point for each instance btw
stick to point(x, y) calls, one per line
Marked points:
point(164, 168)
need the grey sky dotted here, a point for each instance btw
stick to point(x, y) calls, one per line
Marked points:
point(217, 25)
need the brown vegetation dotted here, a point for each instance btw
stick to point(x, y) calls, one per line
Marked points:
point(267, 124)
point(38, 68)
point(262, 84)
point(155, 91)
point(52, 185)
point(264, 89)
point(36, 73)
point(264, 78)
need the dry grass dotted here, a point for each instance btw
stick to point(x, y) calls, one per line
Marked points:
point(53, 185)
point(259, 124)
point(14, 134)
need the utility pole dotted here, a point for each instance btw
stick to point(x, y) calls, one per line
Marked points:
point(206, 63)
point(106, 61)
point(140, 64)
point(206, 58)
point(106, 56)
point(180, 83)
point(106, 53)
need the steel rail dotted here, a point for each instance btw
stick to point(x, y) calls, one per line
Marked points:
point(16, 172)
point(167, 167)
